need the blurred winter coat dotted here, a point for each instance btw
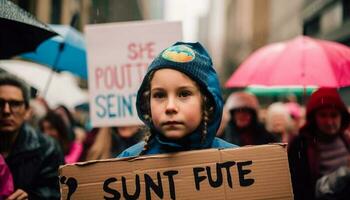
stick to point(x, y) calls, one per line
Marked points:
point(6, 180)
point(334, 186)
point(34, 162)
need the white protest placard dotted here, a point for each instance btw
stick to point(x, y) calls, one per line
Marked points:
point(118, 56)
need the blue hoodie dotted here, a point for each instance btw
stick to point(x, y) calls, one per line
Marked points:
point(193, 60)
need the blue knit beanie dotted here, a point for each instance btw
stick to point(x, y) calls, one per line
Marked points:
point(194, 61)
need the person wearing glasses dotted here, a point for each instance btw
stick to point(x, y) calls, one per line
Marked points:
point(32, 157)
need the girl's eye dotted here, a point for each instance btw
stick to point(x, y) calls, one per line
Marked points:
point(185, 93)
point(158, 95)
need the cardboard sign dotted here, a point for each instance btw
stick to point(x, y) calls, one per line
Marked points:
point(256, 172)
point(118, 57)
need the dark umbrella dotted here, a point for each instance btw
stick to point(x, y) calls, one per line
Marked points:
point(20, 31)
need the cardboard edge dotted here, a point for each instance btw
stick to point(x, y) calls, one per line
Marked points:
point(283, 145)
point(135, 158)
point(160, 156)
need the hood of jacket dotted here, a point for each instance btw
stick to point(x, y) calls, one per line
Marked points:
point(193, 60)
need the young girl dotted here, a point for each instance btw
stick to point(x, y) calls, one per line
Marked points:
point(180, 101)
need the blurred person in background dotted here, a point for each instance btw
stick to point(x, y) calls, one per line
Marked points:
point(6, 180)
point(279, 122)
point(38, 109)
point(53, 125)
point(74, 130)
point(33, 158)
point(224, 121)
point(81, 115)
point(124, 137)
point(108, 142)
point(334, 186)
point(321, 149)
point(98, 144)
point(244, 127)
point(296, 113)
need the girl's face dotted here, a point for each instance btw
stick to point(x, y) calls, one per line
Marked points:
point(176, 103)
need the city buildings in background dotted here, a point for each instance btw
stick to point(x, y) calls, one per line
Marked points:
point(327, 19)
point(230, 29)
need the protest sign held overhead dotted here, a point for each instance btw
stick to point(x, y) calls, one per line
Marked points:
point(118, 57)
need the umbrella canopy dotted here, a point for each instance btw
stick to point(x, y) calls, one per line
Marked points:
point(63, 88)
point(303, 61)
point(20, 31)
point(69, 57)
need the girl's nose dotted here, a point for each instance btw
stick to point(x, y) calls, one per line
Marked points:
point(171, 106)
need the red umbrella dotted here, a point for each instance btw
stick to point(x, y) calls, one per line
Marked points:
point(302, 61)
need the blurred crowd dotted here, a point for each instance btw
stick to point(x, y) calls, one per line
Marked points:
point(244, 122)
point(318, 136)
point(71, 128)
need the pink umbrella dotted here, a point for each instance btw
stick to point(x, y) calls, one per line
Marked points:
point(302, 61)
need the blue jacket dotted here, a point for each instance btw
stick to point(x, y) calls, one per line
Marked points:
point(200, 69)
point(137, 148)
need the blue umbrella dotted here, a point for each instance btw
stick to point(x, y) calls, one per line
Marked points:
point(66, 52)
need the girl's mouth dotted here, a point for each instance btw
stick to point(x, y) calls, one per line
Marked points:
point(171, 123)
